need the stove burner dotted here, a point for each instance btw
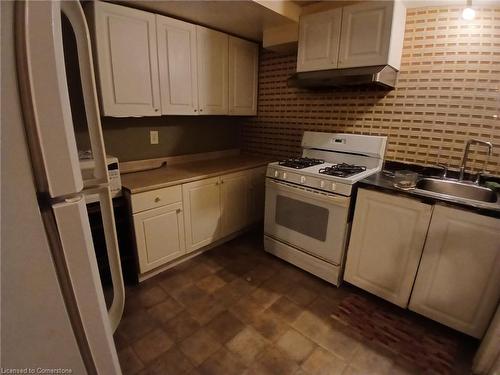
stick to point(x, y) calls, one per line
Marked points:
point(342, 170)
point(300, 163)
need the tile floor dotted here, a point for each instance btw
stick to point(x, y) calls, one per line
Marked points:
point(238, 310)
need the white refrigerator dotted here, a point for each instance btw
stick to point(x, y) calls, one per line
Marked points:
point(53, 312)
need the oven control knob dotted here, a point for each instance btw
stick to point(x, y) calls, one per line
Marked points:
point(333, 186)
point(322, 184)
point(302, 179)
point(276, 174)
point(284, 176)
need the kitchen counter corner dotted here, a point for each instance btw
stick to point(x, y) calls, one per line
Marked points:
point(180, 173)
point(384, 182)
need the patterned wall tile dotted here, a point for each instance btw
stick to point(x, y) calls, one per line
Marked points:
point(448, 91)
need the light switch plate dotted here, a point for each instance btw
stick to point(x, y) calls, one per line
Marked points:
point(153, 137)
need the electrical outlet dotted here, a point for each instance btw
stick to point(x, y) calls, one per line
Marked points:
point(153, 137)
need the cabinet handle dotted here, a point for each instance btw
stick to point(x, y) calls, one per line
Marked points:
point(222, 182)
point(201, 110)
point(157, 199)
point(156, 109)
point(178, 210)
point(196, 110)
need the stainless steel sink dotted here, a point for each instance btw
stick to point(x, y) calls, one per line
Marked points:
point(458, 189)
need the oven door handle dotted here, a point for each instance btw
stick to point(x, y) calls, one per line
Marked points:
point(338, 200)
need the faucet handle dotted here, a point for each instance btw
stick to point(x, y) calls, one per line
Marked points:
point(478, 177)
point(444, 174)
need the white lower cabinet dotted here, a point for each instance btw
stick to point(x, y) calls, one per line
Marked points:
point(445, 261)
point(386, 243)
point(159, 234)
point(234, 202)
point(202, 204)
point(174, 221)
point(220, 206)
point(458, 281)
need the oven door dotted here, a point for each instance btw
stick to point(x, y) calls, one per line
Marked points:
point(310, 220)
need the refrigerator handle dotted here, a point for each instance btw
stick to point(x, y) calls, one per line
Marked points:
point(74, 12)
point(108, 220)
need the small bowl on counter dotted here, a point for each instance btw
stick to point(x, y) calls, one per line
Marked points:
point(405, 179)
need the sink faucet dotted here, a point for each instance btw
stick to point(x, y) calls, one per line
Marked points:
point(444, 173)
point(466, 155)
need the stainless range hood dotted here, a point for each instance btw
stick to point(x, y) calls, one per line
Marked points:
point(383, 76)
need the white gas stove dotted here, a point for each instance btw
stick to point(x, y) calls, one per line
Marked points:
point(332, 162)
point(308, 199)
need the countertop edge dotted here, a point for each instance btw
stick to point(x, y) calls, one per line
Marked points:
point(374, 185)
point(250, 165)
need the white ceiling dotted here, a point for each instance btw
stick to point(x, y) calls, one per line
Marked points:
point(248, 18)
point(242, 18)
point(431, 3)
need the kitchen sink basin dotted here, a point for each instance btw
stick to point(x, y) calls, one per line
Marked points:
point(458, 189)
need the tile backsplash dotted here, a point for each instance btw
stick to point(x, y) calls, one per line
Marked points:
point(448, 91)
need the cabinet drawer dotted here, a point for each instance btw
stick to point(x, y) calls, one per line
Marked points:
point(156, 198)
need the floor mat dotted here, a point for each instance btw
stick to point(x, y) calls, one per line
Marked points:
point(431, 347)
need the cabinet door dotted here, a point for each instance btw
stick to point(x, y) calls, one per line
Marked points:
point(386, 243)
point(212, 71)
point(202, 212)
point(366, 33)
point(243, 68)
point(127, 59)
point(234, 202)
point(319, 36)
point(256, 194)
point(458, 281)
point(177, 66)
point(159, 235)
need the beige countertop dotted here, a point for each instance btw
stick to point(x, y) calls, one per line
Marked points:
point(181, 173)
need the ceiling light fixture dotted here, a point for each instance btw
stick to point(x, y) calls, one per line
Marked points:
point(468, 13)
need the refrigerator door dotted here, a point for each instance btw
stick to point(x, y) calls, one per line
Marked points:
point(78, 253)
point(46, 101)
point(47, 108)
point(103, 196)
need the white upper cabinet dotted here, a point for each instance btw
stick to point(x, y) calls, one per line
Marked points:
point(386, 243)
point(149, 65)
point(125, 41)
point(364, 34)
point(177, 66)
point(372, 34)
point(458, 281)
point(212, 50)
point(319, 37)
point(243, 77)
